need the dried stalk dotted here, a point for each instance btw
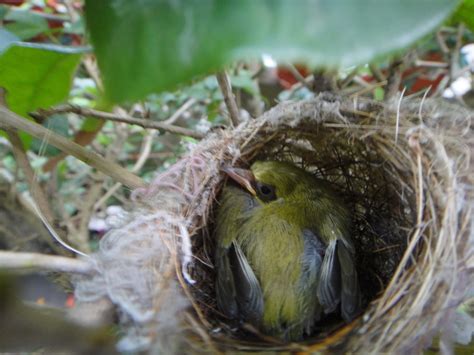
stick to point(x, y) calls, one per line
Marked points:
point(11, 120)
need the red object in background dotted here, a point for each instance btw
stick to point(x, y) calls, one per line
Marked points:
point(52, 3)
point(286, 77)
point(419, 78)
point(12, 2)
point(70, 302)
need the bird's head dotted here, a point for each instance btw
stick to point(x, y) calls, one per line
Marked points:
point(272, 180)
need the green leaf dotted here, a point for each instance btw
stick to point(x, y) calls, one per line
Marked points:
point(379, 94)
point(36, 77)
point(26, 24)
point(146, 46)
point(465, 14)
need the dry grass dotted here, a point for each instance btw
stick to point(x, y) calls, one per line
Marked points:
point(412, 200)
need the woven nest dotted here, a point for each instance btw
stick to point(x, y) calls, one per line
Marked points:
point(404, 171)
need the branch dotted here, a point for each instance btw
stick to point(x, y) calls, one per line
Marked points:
point(229, 99)
point(36, 190)
point(394, 78)
point(24, 164)
point(83, 111)
point(454, 55)
point(301, 79)
point(144, 155)
point(348, 79)
point(14, 260)
point(11, 120)
point(180, 111)
point(376, 72)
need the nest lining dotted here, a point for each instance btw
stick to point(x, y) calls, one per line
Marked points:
point(405, 182)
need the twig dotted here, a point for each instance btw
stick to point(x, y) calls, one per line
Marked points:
point(430, 64)
point(144, 155)
point(83, 111)
point(394, 79)
point(376, 72)
point(454, 55)
point(348, 79)
point(90, 64)
point(180, 111)
point(441, 42)
point(24, 164)
point(369, 88)
point(15, 260)
point(360, 81)
point(224, 84)
point(397, 124)
point(73, 13)
point(298, 76)
point(81, 237)
point(10, 119)
point(308, 80)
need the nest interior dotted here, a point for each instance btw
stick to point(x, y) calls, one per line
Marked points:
point(380, 206)
point(404, 172)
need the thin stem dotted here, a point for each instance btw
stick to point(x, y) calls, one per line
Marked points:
point(226, 88)
point(301, 79)
point(180, 111)
point(394, 79)
point(376, 72)
point(83, 111)
point(16, 260)
point(36, 190)
point(11, 120)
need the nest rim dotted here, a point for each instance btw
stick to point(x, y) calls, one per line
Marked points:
point(369, 123)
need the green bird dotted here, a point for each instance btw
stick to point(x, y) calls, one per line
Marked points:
point(284, 255)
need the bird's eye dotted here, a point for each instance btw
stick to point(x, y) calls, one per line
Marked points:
point(265, 192)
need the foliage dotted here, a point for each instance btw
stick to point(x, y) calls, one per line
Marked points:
point(464, 14)
point(169, 43)
point(37, 76)
point(165, 53)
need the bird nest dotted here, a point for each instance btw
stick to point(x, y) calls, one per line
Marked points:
point(403, 169)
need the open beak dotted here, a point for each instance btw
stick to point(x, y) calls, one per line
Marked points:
point(242, 177)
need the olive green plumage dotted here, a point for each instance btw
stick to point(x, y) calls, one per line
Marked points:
point(284, 254)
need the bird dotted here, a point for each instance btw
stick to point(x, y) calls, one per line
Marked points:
point(284, 255)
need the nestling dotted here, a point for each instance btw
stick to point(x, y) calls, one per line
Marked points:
point(284, 254)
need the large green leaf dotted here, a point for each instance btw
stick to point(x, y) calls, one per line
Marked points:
point(152, 45)
point(36, 76)
point(465, 14)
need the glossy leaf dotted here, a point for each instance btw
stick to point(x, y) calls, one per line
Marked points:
point(35, 77)
point(145, 46)
point(464, 14)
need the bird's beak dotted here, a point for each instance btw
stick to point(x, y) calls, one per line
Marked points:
point(242, 177)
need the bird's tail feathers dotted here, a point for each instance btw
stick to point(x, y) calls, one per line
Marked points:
point(350, 290)
point(338, 282)
point(329, 287)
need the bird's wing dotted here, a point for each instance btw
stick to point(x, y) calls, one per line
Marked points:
point(350, 293)
point(311, 265)
point(237, 288)
point(249, 295)
point(338, 281)
point(329, 287)
point(312, 255)
point(225, 285)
